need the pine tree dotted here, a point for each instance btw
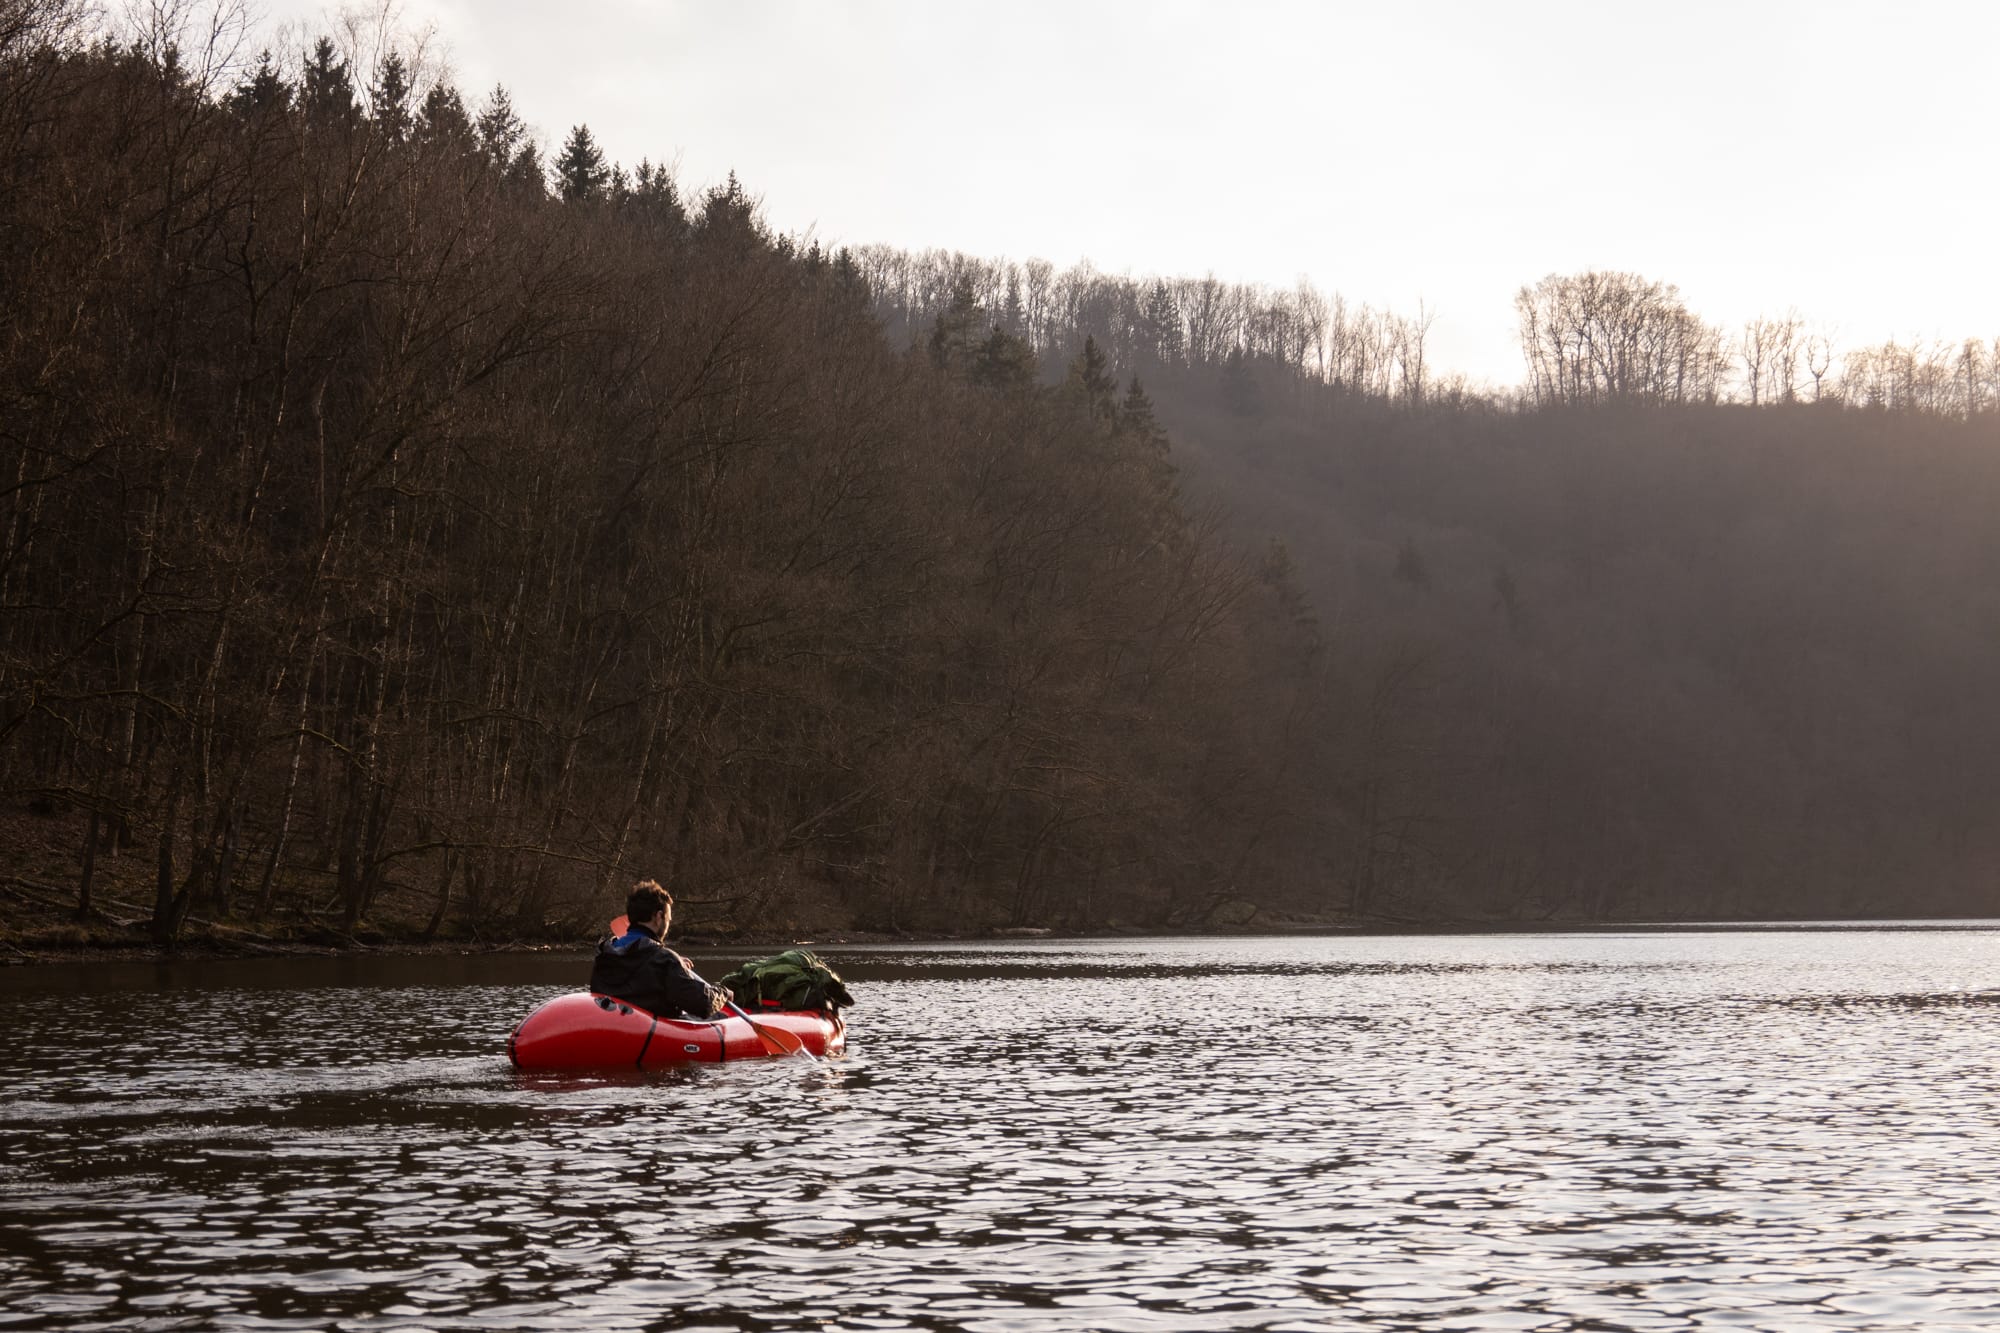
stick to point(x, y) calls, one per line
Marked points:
point(501, 132)
point(1004, 361)
point(581, 172)
point(1090, 379)
point(1160, 327)
point(652, 196)
point(1147, 439)
point(389, 98)
point(264, 91)
point(442, 118)
point(1013, 315)
point(727, 210)
point(955, 334)
point(525, 175)
point(653, 187)
point(326, 93)
point(848, 278)
point(1136, 418)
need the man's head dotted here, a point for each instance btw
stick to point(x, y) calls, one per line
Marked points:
point(648, 901)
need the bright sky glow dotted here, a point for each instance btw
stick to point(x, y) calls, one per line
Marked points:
point(1837, 157)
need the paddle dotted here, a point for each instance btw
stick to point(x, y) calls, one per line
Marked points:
point(776, 1041)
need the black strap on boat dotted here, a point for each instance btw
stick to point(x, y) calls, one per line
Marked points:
point(640, 1063)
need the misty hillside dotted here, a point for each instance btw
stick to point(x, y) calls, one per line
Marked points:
point(1612, 648)
point(1707, 660)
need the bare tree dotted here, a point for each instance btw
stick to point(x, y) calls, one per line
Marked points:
point(1608, 337)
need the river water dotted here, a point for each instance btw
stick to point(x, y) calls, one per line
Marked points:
point(1781, 1129)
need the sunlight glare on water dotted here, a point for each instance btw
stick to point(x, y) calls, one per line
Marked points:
point(1650, 1130)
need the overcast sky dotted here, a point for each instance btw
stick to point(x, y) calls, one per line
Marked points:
point(1835, 157)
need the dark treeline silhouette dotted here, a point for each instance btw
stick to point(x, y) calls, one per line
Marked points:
point(1690, 625)
point(390, 517)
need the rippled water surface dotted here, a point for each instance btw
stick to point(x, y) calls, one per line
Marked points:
point(1762, 1130)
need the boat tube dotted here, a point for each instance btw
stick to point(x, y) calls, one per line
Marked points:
point(586, 1031)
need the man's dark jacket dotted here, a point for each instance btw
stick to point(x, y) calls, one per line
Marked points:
point(636, 968)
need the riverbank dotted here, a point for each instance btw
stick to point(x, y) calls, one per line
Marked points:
point(37, 927)
point(33, 929)
point(40, 870)
point(39, 923)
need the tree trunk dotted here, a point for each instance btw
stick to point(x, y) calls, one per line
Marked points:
point(443, 894)
point(170, 905)
point(89, 866)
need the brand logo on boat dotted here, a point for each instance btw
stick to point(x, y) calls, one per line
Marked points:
point(692, 1049)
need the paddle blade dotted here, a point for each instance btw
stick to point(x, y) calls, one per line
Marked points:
point(780, 1042)
point(777, 1041)
point(619, 925)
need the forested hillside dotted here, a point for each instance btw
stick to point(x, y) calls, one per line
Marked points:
point(389, 518)
point(1696, 623)
point(399, 524)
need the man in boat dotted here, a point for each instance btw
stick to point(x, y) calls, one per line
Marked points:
point(636, 968)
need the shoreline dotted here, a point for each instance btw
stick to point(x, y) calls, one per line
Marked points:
point(107, 941)
point(31, 951)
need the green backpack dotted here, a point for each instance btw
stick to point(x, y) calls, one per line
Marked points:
point(794, 979)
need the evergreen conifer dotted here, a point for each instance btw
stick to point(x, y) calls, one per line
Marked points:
point(582, 174)
point(326, 92)
point(264, 91)
point(389, 98)
point(442, 118)
point(501, 132)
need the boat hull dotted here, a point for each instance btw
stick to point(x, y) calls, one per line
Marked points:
point(586, 1031)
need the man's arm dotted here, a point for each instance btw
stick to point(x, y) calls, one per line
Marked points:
point(684, 990)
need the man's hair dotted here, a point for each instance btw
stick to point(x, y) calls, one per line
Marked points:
point(646, 901)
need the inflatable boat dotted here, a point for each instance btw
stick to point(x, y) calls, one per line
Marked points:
point(585, 1031)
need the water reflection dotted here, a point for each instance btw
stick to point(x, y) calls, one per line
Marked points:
point(1635, 1132)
